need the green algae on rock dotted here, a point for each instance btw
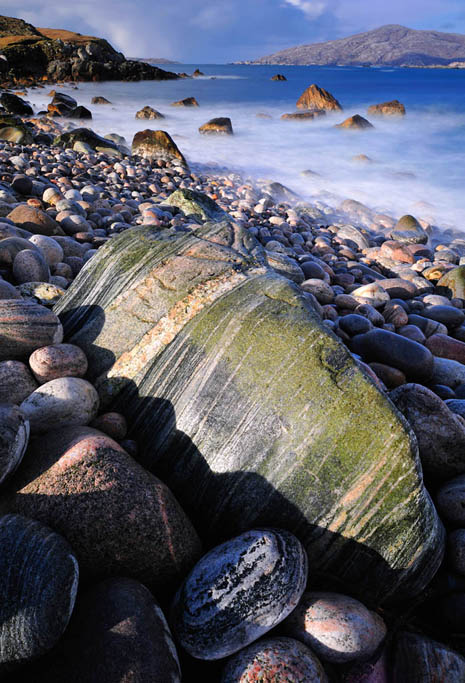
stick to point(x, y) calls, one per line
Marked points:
point(250, 410)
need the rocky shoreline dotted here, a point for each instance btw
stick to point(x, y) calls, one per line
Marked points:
point(217, 406)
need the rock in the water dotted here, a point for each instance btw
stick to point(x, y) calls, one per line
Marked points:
point(336, 627)
point(355, 122)
point(149, 113)
point(238, 592)
point(249, 432)
point(16, 381)
point(119, 518)
point(59, 360)
point(440, 433)
point(38, 585)
point(186, 102)
point(304, 116)
point(278, 77)
point(80, 113)
point(409, 230)
point(62, 402)
point(393, 108)
point(315, 97)
point(100, 100)
point(14, 437)
point(416, 658)
point(156, 144)
point(218, 126)
point(274, 660)
point(87, 136)
point(117, 633)
point(15, 105)
point(25, 327)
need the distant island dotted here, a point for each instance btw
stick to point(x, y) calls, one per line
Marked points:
point(154, 60)
point(390, 45)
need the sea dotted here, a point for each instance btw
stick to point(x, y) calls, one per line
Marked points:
point(416, 163)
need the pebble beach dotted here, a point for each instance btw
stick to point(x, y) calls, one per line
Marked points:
point(93, 537)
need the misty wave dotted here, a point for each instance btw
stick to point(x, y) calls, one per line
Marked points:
point(413, 165)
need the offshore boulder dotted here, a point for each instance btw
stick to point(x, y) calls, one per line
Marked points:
point(249, 409)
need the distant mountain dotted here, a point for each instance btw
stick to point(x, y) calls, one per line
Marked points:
point(155, 60)
point(390, 45)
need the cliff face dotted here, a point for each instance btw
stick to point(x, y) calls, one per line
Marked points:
point(57, 55)
point(389, 45)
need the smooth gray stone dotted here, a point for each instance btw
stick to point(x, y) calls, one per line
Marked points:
point(238, 592)
point(450, 501)
point(449, 372)
point(457, 406)
point(38, 584)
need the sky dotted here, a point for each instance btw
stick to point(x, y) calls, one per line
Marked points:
point(221, 31)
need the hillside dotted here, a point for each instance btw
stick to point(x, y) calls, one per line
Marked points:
point(389, 45)
point(48, 54)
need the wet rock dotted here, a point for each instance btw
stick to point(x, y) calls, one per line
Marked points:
point(30, 266)
point(315, 97)
point(87, 136)
point(218, 126)
point(100, 100)
point(62, 402)
point(409, 230)
point(38, 583)
point(149, 113)
point(304, 115)
point(16, 381)
point(156, 144)
point(59, 360)
point(239, 591)
point(186, 102)
point(278, 77)
point(118, 633)
point(440, 433)
point(26, 326)
point(336, 627)
point(80, 113)
point(418, 658)
point(393, 108)
point(355, 122)
point(34, 220)
point(408, 356)
point(14, 437)
point(15, 105)
point(119, 518)
point(274, 659)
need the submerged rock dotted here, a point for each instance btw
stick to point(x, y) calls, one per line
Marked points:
point(177, 329)
point(393, 108)
point(219, 126)
point(186, 102)
point(355, 122)
point(149, 113)
point(156, 144)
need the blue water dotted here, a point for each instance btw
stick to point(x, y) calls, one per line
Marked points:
point(418, 162)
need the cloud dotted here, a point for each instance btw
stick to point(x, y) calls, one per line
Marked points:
point(227, 30)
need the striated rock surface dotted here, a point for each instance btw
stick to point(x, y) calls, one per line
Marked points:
point(418, 658)
point(14, 437)
point(238, 592)
point(119, 518)
point(26, 326)
point(315, 97)
point(38, 583)
point(176, 329)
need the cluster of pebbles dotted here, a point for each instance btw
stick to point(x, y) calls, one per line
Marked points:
point(77, 507)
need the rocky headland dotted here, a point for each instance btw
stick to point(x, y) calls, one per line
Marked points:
point(32, 55)
point(232, 422)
